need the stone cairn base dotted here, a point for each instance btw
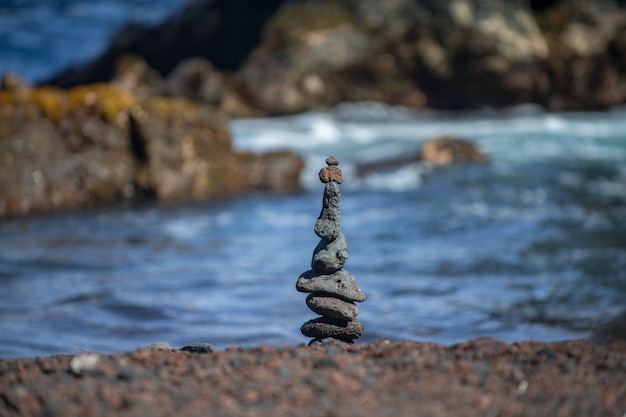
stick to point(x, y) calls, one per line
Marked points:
point(333, 290)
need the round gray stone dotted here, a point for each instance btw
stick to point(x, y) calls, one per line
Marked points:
point(330, 255)
point(323, 327)
point(328, 306)
point(340, 283)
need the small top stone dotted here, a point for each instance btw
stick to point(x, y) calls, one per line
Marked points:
point(331, 161)
point(331, 172)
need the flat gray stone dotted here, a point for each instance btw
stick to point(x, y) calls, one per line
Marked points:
point(328, 223)
point(330, 255)
point(160, 346)
point(328, 306)
point(340, 283)
point(323, 327)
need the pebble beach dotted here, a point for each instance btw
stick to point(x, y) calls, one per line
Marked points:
point(481, 377)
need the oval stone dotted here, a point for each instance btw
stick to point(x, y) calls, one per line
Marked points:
point(323, 327)
point(328, 306)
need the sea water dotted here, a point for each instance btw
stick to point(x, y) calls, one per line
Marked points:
point(531, 245)
point(39, 39)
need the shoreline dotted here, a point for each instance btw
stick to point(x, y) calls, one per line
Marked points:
point(479, 377)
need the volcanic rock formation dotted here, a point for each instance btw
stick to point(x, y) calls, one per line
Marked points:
point(333, 290)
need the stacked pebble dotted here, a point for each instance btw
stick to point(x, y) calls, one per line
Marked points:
point(332, 289)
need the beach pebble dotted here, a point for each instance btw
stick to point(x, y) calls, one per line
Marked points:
point(199, 348)
point(331, 173)
point(328, 223)
point(329, 306)
point(323, 327)
point(331, 160)
point(330, 255)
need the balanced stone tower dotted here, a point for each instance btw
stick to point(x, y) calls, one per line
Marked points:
point(333, 290)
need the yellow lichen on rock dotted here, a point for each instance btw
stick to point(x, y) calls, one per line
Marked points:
point(105, 99)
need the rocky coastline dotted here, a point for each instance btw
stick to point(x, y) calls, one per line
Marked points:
point(101, 144)
point(478, 377)
point(148, 119)
point(295, 56)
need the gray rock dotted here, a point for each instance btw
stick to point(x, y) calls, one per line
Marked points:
point(328, 306)
point(328, 223)
point(160, 346)
point(199, 348)
point(340, 283)
point(323, 327)
point(331, 344)
point(330, 255)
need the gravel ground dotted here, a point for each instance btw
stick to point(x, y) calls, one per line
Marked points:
point(482, 377)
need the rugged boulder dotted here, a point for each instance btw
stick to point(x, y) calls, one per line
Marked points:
point(453, 54)
point(586, 68)
point(103, 144)
point(447, 150)
point(291, 56)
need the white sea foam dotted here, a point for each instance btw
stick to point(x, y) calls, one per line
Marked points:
point(359, 133)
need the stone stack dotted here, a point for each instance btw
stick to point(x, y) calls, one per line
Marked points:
point(333, 290)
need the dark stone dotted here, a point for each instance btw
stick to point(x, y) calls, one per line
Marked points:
point(329, 306)
point(323, 327)
point(330, 256)
point(340, 283)
point(199, 348)
point(327, 225)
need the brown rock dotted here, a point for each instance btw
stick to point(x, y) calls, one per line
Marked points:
point(13, 82)
point(102, 144)
point(331, 173)
point(447, 150)
point(197, 79)
point(328, 306)
point(331, 160)
point(277, 171)
point(567, 55)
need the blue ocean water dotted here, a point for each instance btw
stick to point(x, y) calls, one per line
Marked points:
point(529, 246)
point(39, 39)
